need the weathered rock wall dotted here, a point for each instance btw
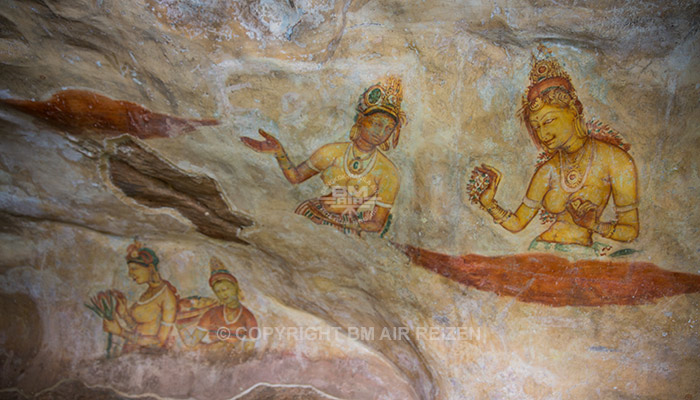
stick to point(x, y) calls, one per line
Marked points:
point(296, 69)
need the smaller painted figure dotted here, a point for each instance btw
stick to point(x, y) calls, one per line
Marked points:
point(581, 168)
point(363, 181)
point(147, 324)
point(229, 324)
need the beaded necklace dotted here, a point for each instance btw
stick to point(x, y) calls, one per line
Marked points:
point(238, 315)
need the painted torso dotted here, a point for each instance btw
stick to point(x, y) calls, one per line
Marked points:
point(377, 183)
point(595, 188)
point(148, 312)
point(230, 328)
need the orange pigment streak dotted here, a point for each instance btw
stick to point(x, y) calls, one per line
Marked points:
point(556, 281)
point(81, 110)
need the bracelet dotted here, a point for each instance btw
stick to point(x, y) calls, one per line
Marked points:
point(606, 229)
point(283, 160)
point(131, 336)
point(499, 214)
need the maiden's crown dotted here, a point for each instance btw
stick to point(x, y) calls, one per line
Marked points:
point(386, 96)
point(546, 75)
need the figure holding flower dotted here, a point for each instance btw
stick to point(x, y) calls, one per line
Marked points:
point(584, 165)
point(148, 322)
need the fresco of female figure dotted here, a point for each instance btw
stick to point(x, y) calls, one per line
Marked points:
point(363, 181)
point(580, 172)
point(230, 322)
point(148, 322)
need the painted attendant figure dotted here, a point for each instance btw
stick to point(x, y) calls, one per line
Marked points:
point(229, 323)
point(363, 181)
point(147, 324)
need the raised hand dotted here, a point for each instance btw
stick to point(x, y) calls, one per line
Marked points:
point(584, 212)
point(122, 308)
point(269, 145)
point(111, 326)
point(493, 178)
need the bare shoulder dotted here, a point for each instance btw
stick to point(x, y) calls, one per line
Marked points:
point(333, 149)
point(548, 166)
point(612, 153)
point(168, 295)
point(385, 165)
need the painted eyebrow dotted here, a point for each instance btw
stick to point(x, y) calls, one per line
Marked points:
point(544, 116)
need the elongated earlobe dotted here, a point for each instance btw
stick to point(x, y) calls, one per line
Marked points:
point(395, 139)
point(353, 132)
point(581, 130)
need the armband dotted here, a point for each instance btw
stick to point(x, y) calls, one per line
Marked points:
point(626, 208)
point(531, 203)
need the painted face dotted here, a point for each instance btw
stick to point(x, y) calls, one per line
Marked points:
point(553, 126)
point(226, 291)
point(376, 128)
point(139, 273)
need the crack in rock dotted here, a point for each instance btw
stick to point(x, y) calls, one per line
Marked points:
point(145, 177)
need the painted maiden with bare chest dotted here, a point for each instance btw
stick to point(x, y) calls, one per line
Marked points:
point(580, 174)
point(363, 182)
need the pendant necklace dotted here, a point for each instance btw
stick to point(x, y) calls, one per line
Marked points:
point(571, 178)
point(357, 167)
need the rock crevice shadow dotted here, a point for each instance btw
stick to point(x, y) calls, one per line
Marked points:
point(150, 180)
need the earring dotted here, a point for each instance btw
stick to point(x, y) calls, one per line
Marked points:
point(353, 132)
point(395, 140)
point(385, 146)
point(581, 130)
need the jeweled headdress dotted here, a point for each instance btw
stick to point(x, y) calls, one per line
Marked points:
point(137, 253)
point(219, 272)
point(546, 76)
point(386, 95)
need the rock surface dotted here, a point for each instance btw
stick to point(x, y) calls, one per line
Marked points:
point(73, 197)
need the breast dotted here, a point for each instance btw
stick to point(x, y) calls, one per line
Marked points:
point(144, 313)
point(334, 175)
point(554, 201)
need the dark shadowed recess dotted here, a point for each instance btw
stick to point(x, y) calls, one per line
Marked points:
point(82, 111)
point(21, 335)
point(556, 281)
point(154, 182)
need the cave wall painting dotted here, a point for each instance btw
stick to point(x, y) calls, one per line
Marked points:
point(363, 181)
point(161, 320)
point(582, 165)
